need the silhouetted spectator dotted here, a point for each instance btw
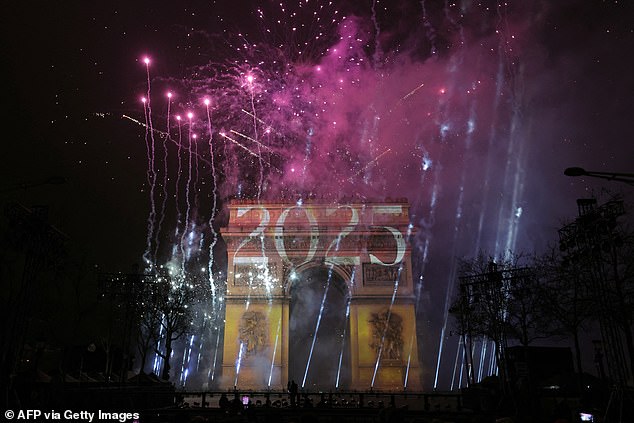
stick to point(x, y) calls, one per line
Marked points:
point(293, 393)
point(236, 404)
point(223, 402)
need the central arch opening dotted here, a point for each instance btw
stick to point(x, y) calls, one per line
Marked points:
point(319, 333)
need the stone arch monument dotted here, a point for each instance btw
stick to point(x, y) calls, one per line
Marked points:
point(271, 244)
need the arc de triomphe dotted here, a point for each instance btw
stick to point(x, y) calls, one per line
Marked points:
point(361, 247)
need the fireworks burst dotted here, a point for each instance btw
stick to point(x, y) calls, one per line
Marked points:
point(336, 103)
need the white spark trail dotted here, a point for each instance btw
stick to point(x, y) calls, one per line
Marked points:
point(251, 139)
point(212, 218)
point(227, 137)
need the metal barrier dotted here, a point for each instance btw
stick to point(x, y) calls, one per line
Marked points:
point(333, 399)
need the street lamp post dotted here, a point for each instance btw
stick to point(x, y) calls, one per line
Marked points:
point(628, 178)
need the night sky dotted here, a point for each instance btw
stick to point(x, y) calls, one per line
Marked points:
point(471, 110)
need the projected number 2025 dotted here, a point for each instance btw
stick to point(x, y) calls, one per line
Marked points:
point(311, 249)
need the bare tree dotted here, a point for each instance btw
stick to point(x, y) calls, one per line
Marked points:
point(525, 319)
point(566, 302)
point(500, 300)
point(601, 247)
point(29, 247)
point(619, 259)
point(173, 301)
point(148, 324)
point(479, 309)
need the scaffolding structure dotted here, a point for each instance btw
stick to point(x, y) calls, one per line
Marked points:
point(592, 241)
point(488, 294)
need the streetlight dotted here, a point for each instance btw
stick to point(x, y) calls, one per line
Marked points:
point(628, 178)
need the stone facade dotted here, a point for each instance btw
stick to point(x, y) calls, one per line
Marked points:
point(366, 244)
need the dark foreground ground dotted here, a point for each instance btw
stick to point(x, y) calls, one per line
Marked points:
point(289, 415)
point(163, 403)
